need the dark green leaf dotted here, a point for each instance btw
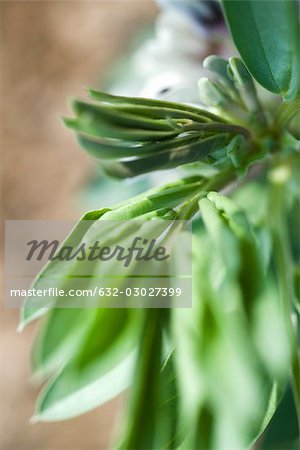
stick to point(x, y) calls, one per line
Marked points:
point(266, 34)
point(283, 431)
point(167, 159)
point(111, 149)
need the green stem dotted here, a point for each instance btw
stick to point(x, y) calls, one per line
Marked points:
point(143, 410)
point(191, 206)
point(278, 201)
point(286, 112)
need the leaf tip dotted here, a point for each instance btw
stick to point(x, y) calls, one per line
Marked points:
point(34, 419)
point(90, 91)
point(69, 122)
point(21, 327)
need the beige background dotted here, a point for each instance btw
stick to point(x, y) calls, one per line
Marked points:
point(50, 49)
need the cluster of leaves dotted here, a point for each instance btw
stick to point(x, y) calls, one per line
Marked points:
point(211, 376)
point(132, 136)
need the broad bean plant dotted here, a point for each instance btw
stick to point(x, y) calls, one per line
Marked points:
point(225, 373)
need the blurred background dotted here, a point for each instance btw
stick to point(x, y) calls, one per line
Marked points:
point(51, 50)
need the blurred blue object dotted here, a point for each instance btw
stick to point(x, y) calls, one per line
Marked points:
point(205, 13)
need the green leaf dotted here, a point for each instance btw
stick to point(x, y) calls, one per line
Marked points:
point(245, 85)
point(212, 94)
point(119, 117)
point(28, 313)
point(163, 112)
point(100, 370)
point(170, 195)
point(105, 149)
point(141, 425)
point(216, 359)
point(167, 159)
point(150, 202)
point(146, 206)
point(149, 134)
point(146, 102)
point(274, 400)
point(266, 34)
point(58, 338)
point(168, 433)
point(90, 124)
point(227, 223)
point(282, 432)
point(219, 66)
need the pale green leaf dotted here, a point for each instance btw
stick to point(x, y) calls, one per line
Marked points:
point(58, 338)
point(28, 313)
point(100, 370)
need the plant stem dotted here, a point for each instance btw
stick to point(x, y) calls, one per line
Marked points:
point(190, 207)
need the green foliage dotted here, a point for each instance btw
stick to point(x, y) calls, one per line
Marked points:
point(58, 338)
point(156, 135)
point(98, 369)
point(221, 337)
point(267, 36)
point(211, 376)
point(29, 313)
